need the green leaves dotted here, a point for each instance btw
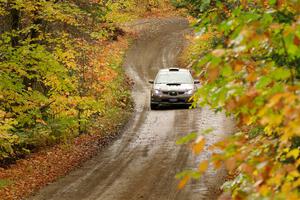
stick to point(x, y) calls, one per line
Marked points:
point(5, 182)
point(186, 139)
point(190, 173)
point(272, 2)
point(58, 74)
point(185, 176)
point(252, 71)
point(204, 5)
point(263, 82)
point(227, 71)
point(280, 73)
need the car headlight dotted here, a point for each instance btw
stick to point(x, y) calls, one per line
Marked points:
point(190, 92)
point(157, 92)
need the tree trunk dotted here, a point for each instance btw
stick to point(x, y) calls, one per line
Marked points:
point(15, 24)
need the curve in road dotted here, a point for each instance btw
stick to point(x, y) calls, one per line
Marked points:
point(143, 162)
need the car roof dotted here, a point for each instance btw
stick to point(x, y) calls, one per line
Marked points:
point(174, 69)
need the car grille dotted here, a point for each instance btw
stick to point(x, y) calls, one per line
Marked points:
point(173, 93)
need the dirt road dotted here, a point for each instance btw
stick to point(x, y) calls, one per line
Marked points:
point(143, 162)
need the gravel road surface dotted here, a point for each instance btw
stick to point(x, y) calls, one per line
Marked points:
point(143, 162)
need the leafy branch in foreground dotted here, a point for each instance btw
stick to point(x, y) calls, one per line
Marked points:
point(251, 69)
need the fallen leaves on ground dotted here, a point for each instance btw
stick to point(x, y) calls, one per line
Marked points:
point(30, 174)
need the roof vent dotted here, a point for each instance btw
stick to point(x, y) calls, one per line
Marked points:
point(173, 69)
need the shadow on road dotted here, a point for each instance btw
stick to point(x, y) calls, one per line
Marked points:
point(172, 107)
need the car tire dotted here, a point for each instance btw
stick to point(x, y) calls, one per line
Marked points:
point(188, 106)
point(153, 106)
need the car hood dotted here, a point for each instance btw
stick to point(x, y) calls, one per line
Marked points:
point(166, 87)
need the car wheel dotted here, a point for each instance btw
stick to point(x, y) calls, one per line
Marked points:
point(153, 106)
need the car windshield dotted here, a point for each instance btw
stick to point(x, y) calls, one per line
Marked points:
point(174, 77)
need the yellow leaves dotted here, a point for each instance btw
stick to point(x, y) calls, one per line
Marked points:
point(217, 160)
point(268, 130)
point(275, 99)
point(213, 73)
point(292, 196)
point(183, 182)
point(291, 98)
point(69, 59)
point(244, 119)
point(252, 77)
point(297, 164)
point(185, 176)
point(230, 164)
point(296, 183)
point(272, 120)
point(286, 187)
point(280, 115)
point(198, 146)
point(205, 37)
point(289, 112)
point(219, 145)
point(203, 166)
point(292, 175)
point(244, 3)
point(218, 52)
point(41, 121)
point(290, 130)
point(238, 66)
point(275, 180)
point(293, 153)
point(265, 100)
point(264, 190)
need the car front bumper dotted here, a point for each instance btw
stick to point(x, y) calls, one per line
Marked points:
point(167, 99)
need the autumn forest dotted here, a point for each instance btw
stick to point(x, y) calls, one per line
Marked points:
point(64, 90)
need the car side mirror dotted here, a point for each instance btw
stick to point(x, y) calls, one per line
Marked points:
point(196, 82)
point(151, 81)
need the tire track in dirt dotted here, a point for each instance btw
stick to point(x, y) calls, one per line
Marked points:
point(143, 162)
